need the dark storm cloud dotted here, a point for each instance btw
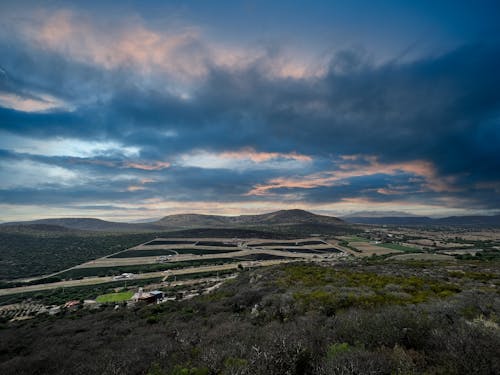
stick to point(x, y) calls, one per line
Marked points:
point(417, 109)
point(444, 109)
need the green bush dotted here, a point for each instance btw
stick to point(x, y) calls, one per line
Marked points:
point(181, 370)
point(337, 348)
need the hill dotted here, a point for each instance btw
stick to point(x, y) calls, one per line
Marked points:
point(280, 220)
point(283, 217)
point(479, 220)
point(390, 220)
point(186, 221)
point(85, 224)
point(379, 214)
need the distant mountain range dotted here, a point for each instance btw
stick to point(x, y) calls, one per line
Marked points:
point(478, 220)
point(187, 221)
point(278, 219)
point(379, 214)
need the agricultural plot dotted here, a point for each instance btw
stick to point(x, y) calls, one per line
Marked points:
point(307, 243)
point(168, 242)
point(154, 258)
point(399, 247)
point(167, 252)
point(368, 249)
point(143, 253)
point(115, 297)
point(76, 273)
point(310, 251)
point(257, 257)
point(355, 239)
point(270, 244)
point(215, 243)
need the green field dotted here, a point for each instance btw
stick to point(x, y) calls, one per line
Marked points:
point(115, 297)
point(395, 246)
point(356, 239)
point(61, 295)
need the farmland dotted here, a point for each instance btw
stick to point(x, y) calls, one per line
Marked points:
point(399, 247)
point(269, 286)
point(166, 258)
point(157, 254)
point(114, 297)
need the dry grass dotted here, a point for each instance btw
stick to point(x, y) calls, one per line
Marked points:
point(421, 256)
point(368, 249)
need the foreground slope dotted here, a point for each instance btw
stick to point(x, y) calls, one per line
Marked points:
point(360, 318)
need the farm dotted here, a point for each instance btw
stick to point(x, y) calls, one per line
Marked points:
point(172, 257)
point(272, 284)
point(160, 262)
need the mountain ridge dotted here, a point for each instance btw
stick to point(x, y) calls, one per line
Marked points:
point(468, 220)
point(281, 218)
point(182, 221)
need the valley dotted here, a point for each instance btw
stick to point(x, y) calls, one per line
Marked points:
point(269, 279)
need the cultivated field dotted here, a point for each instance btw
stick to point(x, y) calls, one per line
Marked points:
point(168, 257)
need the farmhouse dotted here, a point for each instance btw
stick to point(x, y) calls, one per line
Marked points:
point(154, 296)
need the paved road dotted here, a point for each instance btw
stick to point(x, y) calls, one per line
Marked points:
point(107, 279)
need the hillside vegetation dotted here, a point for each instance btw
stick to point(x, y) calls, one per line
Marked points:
point(25, 254)
point(367, 317)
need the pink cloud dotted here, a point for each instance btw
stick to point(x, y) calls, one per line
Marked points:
point(259, 157)
point(185, 53)
point(135, 188)
point(155, 166)
point(131, 43)
point(359, 166)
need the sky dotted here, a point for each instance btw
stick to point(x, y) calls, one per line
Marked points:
point(140, 109)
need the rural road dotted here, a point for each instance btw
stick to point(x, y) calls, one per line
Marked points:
point(114, 262)
point(107, 279)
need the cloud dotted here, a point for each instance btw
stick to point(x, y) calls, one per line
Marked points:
point(61, 146)
point(20, 173)
point(38, 103)
point(245, 158)
point(259, 157)
point(130, 43)
point(154, 166)
point(135, 188)
point(370, 166)
point(183, 53)
point(213, 121)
